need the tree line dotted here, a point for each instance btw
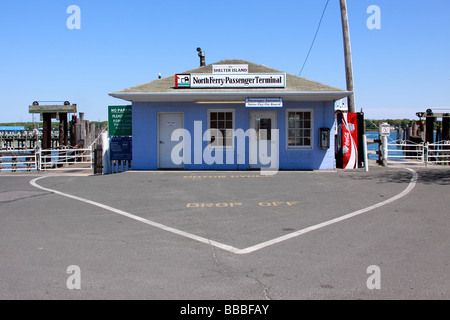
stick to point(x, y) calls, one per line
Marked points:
point(397, 123)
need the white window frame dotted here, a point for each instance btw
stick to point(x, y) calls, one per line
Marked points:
point(311, 146)
point(209, 127)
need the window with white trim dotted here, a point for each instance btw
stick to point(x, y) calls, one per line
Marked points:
point(221, 125)
point(299, 129)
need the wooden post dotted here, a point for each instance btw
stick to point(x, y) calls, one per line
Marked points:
point(348, 56)
point(86, 135)
point(429, 133)
point(446, 134)
point(63, 134)
point(92, 134)
point(47, 131)
point(73, 131)
point(445, 128)
point(81, 131)
point(61, 131)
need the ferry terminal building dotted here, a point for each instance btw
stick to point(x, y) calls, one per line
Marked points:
point(215, 103)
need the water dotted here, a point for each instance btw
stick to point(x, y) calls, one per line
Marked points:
point(21, 163)
point(375, 146)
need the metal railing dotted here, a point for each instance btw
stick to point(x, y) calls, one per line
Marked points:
point(65, 159)
point(438, 153)
point(428, 153)
point(406, 150)
point(14, 160)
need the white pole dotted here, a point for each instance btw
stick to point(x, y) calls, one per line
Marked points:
point(385, 150)
point(106, 153)
point(366, 158)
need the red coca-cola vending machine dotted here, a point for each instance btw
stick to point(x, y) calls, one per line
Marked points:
point(349, 140)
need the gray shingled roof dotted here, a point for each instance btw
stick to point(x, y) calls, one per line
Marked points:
point(296, 87)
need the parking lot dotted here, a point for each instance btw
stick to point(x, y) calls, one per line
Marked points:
point(226, 235)
point(235, 209)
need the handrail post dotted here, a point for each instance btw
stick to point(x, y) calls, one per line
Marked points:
point(425, 153)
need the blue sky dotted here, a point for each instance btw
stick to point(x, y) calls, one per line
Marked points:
point(400, 69)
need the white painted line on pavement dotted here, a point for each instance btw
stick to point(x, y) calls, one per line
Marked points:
point(137, 218)
point(333, 221)
point(228, 248)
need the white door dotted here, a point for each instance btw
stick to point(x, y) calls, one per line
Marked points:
point(168, 122)
point(261, 143)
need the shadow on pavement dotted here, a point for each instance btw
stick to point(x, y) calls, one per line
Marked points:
point(436, 176)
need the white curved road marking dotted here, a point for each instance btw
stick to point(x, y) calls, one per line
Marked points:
point(228, 248)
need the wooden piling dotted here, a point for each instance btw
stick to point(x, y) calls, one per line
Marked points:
point(446, 128)
point(47, 131)
point(429, 134)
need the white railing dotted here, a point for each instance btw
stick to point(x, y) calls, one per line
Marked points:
point(65, 159)
point(401, 150)
point(18, 160)
point(427, 153)
point(438, 153)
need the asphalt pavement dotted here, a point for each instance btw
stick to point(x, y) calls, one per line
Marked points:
point(382, 234)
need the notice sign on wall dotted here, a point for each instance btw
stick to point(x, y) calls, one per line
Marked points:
point(121, 148)
point(119, 121)
point(264, 102)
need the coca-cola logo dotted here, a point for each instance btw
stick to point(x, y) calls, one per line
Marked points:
point(347, 139)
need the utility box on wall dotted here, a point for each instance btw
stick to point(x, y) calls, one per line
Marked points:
point(324, 134)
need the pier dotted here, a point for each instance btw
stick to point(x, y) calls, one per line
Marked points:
point(25, 140)
point(425, 141)
point(71, 146)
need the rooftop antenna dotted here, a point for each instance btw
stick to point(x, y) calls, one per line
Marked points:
point(201, 54)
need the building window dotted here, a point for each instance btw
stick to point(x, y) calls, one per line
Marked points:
point(221, 125)
point(299, 129)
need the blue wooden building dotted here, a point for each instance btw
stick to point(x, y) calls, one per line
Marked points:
point(232, 115)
